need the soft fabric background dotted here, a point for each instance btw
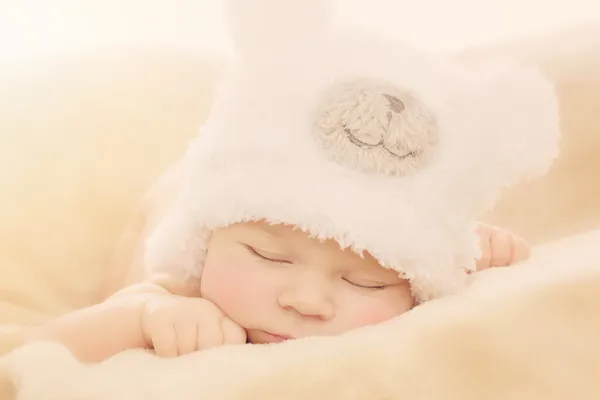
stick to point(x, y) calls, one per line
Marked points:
point(52, 26)
point(82, 137)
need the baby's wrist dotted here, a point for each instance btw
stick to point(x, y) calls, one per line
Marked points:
point(137, 290)
point(133, 304)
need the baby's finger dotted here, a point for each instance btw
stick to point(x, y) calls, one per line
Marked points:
point(209, 334)
point(521, 250)
point(232, 332)
point(501, 249)
point(164, 340)
point(186, 335)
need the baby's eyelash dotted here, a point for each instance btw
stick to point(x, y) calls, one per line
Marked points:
point(259, 255)
point(374, 287)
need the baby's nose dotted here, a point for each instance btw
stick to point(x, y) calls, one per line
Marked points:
point(309, 298)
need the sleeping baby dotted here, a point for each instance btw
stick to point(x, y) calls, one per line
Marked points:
point(336, 184)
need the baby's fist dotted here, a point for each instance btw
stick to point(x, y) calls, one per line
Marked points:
point(500, 248)
point(175, 325)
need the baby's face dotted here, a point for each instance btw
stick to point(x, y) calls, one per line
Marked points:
point(278, 283)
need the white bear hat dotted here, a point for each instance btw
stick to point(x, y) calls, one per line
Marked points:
point(354, 137)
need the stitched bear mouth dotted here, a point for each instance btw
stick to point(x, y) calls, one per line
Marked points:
point(381, 144)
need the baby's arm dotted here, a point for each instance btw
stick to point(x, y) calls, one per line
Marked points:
point(158, 315)
point(95, 333)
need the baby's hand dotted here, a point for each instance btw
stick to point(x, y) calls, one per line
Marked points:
point(175, 325)
point(500, 248)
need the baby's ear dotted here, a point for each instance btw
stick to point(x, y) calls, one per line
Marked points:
point(267, 27)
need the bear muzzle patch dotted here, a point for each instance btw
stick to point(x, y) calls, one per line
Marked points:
point(375, 127)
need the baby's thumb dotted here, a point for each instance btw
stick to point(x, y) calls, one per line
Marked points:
point(232, 332)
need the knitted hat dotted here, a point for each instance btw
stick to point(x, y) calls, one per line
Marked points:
point(358, 138)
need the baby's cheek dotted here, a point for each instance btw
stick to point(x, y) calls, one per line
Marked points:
point(364, 312)
point(372, 315)
point(231, 288)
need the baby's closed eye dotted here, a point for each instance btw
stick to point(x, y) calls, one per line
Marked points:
point(267, 256)
point(368, 284)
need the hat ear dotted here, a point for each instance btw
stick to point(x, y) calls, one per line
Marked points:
point(526, 132)
point(261, 27)
point(515, 113)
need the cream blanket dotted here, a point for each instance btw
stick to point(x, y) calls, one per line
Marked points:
point(528, 332)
